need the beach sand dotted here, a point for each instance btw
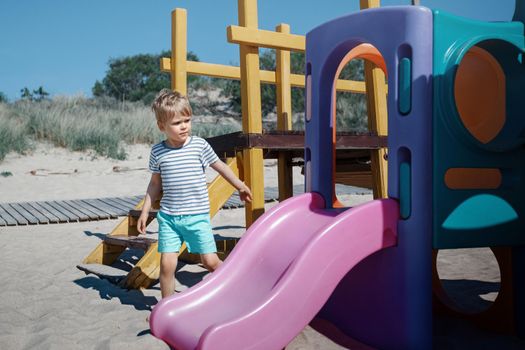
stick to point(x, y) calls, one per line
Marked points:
point(47, 303)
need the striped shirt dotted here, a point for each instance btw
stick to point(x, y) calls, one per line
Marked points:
point(184, 187)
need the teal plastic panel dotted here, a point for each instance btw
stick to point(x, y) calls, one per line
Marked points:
point(405, 86)
point(477, 217)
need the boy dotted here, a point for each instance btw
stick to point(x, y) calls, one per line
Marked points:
point(177, 165)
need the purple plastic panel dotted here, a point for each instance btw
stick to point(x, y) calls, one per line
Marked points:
point(386, 300)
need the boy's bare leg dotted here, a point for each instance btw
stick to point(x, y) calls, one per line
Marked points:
point(168, 265)
point(210, 261)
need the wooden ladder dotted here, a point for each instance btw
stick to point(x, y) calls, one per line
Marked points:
point(125, 236)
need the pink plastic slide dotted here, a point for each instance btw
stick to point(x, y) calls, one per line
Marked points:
point(277, 278)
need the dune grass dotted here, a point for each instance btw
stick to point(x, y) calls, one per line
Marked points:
point(78, 124)
point(106, 125)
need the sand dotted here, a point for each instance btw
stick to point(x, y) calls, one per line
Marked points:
point(47, 303)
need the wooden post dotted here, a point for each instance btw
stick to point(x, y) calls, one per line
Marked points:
point(376, 91)
point(251, 112)
point(284, 114)
point(179, 50)
point(367, 4)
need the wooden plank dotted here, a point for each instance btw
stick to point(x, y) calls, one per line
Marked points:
point(290, 140)
point(138, 198)
point(52, 219)
point(119, 210)
point(377, 115)
point(367, 4)
point(265, 38)
point(284, 114)
point(124, 204)
point(110, 210)
point(251, 110)
point(134, 200)
point(146, 271)
point(9, 219)
point(294, 140)
point(136, 213)
point(66, 213)
point(179, 49)
point(358, 179)
point(42, 219)
point(80, 215)
point(50, 209)
point(19, 218)
point(100, 214)
point(127, 200)
point(2, 222)
point(31, 219)
point(220, 189)
point(124, 207)
point(91, 215)
point(228, 143)
point(130, 241)
point(267, 77)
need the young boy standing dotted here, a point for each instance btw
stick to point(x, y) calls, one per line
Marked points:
point(177, 165)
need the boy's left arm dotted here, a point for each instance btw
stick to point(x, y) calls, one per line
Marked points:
point(225, 171)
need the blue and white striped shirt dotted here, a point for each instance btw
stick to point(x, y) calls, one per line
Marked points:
point(181, 169)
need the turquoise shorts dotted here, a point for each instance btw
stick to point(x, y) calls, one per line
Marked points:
point(195, 230)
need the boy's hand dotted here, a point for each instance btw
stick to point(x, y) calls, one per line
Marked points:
point(141, 223)
point(245, 194)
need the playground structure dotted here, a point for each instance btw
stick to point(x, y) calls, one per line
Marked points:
point(244, 152)
point(455, 147)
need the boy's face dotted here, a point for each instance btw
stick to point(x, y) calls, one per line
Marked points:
point(177, 130)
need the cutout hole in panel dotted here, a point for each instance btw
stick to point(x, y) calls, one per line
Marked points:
point(469, 279)
point(352, 177)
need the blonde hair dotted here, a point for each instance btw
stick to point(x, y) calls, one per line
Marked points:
point(168, 104)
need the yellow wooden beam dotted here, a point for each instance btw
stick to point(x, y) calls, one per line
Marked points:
point(349, 86)
point(368, 4)
point(179, 50)
point(378, 123)
point(251, 112)
point(283, 85)
point(207, 69)
point(145, 272)
point(106, 254)
point(268, 77)
point(284, 114)
point(377, 116)
point(266, 38)
point(220, 190)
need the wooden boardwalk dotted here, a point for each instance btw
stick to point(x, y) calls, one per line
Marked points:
point(53, 212)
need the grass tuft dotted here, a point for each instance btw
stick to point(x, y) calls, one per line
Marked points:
point(80, 124)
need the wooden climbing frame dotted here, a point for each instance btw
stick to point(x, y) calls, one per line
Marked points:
point(247, 162)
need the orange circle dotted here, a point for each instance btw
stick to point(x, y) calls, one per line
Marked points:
point(479, 90)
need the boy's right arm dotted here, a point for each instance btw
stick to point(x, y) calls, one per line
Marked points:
point(152, 194)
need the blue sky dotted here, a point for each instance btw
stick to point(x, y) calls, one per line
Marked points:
point(65, 45)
